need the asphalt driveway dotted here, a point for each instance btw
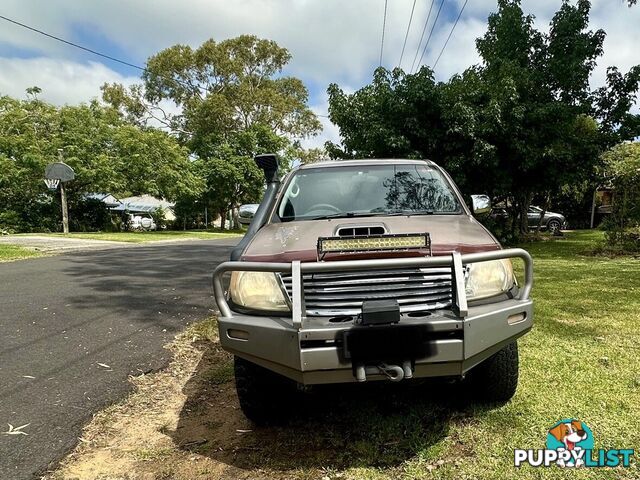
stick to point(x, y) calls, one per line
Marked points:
point(75, 326)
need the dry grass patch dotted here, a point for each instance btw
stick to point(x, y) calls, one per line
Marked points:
point(134, 439)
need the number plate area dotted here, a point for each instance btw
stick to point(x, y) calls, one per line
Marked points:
point(386, 343)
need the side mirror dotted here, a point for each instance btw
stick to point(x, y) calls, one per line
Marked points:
point(246, 213)
point(481, 204)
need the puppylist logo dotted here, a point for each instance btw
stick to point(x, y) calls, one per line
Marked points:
point(570, 444)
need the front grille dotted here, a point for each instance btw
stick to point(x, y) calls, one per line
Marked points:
point(342, 293)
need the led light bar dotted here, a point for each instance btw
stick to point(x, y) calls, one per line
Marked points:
point(374, 243)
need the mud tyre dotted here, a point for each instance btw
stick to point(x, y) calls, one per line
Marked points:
point(265, 397)
point(496, 379)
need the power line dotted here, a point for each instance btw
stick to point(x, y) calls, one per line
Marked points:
point(430, 33)
point(407, 34)
point(384, 24)
point(450, 33)
point(72, 44)
point(100, 54)
point(424, 29)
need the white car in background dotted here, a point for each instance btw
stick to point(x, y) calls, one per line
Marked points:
point(141, 221)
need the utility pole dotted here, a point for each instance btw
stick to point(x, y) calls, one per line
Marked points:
point(63, 201)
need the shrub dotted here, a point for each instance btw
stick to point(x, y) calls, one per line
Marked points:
point(89, 215)
point(622, 170)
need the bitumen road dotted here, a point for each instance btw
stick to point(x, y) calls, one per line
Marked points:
point(73, 328)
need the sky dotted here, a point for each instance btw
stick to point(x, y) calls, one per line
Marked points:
point(330, 40)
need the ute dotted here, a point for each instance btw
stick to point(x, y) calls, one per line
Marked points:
point(368, 270)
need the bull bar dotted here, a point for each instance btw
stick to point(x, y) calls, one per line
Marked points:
point(484, 328)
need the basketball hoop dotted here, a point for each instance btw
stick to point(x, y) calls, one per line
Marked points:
point(55, 174)
point(52, 183)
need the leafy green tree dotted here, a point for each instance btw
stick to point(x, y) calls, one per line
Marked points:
point(223, 89)
point(522, 123)
point(231, 182)
point(107, 154)
point(234, 103)
point(621, 169)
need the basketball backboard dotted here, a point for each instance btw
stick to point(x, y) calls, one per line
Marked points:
point(60, 171)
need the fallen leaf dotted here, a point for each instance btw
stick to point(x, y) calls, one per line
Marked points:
point(16, 430)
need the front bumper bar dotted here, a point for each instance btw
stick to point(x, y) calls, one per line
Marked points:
point(309, 349)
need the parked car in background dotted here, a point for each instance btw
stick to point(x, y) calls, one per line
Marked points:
point(552, 222)
point(246, 213)
point(141, 221)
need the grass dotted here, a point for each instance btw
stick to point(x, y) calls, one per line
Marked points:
point(140, 237)
point(14, 252)
point(579, 361)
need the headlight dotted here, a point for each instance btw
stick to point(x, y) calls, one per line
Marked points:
point(486, 279)
point(257, 291)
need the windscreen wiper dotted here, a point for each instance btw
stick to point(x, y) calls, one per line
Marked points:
point(343, 215)
point(391, 213)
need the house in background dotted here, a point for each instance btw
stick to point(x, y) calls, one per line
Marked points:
point(146, 204)
point(602, 204)
point(109, 200)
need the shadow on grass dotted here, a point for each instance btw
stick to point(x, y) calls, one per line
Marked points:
point(369, 425)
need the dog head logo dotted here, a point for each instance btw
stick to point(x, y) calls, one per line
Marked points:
point(570, 435)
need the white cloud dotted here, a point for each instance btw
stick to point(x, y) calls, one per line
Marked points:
point(62, 82)
point(330, 40)
point(330, 131)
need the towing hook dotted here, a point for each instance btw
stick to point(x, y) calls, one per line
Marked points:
point(394, 373)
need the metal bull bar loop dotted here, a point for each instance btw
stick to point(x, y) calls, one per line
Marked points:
point(455, 261)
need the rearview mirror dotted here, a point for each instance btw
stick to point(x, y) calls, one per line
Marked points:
point(481, 204)
point(246, 213)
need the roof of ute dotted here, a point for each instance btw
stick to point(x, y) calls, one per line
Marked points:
point(365, 161)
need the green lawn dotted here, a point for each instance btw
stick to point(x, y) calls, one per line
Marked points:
point(139, 237)
point(14, 252)
point(580, 360)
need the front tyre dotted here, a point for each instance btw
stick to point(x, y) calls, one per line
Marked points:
point(496, 379)
point(265, 397)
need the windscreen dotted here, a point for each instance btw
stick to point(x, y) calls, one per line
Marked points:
point(367, 190)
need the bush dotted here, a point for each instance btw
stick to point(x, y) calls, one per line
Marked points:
point(625, 241)
point(36, 217)
point(622, 170)
point(89, 215)
point(158, 216)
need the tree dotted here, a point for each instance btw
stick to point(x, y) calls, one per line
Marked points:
point(234, 104)
point(224, 89)
point(524, 122)
point(621, 169)
point(231, 181)
point(107, 154)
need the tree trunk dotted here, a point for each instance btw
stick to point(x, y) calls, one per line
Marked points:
point(236, 218)
point(223, 219)
point(524, 203)
point(545, 208)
